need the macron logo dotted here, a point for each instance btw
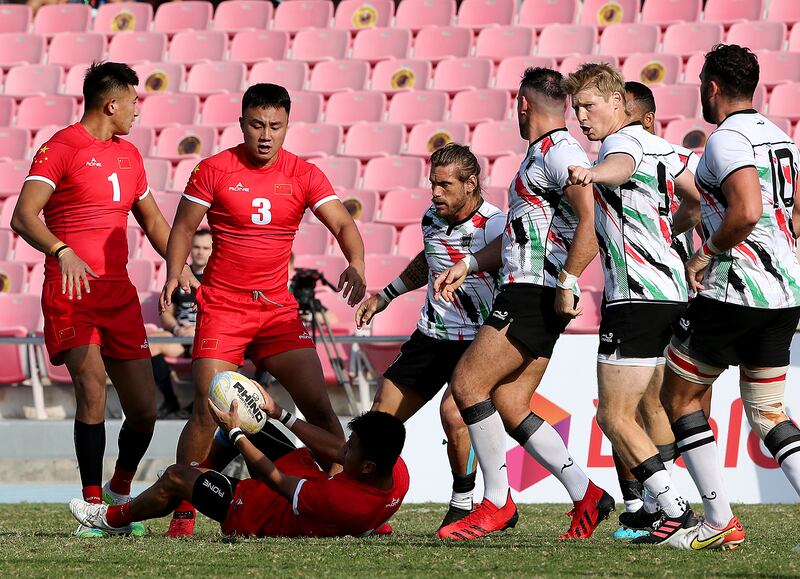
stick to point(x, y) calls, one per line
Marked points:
point(239, 187)
point(93, 163)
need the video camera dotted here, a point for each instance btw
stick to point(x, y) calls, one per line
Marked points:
point(304, 285)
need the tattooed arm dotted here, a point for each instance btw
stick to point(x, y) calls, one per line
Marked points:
point(415, 275)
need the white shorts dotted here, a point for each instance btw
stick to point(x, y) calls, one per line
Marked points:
point(616, 360)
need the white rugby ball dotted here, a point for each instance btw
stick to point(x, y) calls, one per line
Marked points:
point(229, 386)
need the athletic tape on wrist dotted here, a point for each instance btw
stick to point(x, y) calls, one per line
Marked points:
point(287, 419)
point(235, 434)
point(570, 281)
point(393, 290)
point(471, 263)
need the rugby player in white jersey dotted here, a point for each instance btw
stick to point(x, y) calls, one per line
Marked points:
point(645, 291)
point(748, 283)
point(458, 223)
point(548, 241)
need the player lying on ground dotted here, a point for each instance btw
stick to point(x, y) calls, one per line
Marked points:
point(460, 222)
point(289, 495)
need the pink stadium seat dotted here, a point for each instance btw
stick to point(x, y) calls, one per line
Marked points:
point(220, 110)
point(728, 11)
point(186, 15)
point(782, 123)
point(670, 11)
point(504, 169)
point(340, 171)
point(624, 39)
point(378, 238)
point(560, 40)
point(417, 14)
point(137, 46)
point(70, 48)
point(41, 79)
point(159, 77)
point(6, 177)
point(14, 270)
point(27, 254)
point(413, 107)
point(457, 74)
point(392, 76)
point(306, 107)
point(571, 63)
point(499, 42)
point(652, 68)
point(313, 140)
point(123, 17)
point(340, 315)
point(252, 46)
point(690, 133)
point(676, 101)
point(439, 42)
point(7, 108)
point(287, 73)
point(497, 138)
point(37, 111)
point(785, 101)
point(374, 44)
point(794, 39)
point(161, 110)
point(685, 39)
point(410, 242)
point(14, 142)
point(149, 303)
point(787, 11)
point(36, 279)
point(404, 206)
point(55, 18)
point(692, 68)
point(479, 13)
point(185, 168)
point(73, 82)
point(230, 137)
point(589, 321)
point(510, 70)
point(386, 173)
point(43, 135)
point(777, 67)
point(207, 78)
point(359, 14)
point(15, 17)
point(294, 16)
point(338, 75)
point(362, 204)
point(311, 239)
point(235, 15)
point(20, 48)
point(475, 106)
point(142, 138)
point(191, 46)
point(382, 269)
point(331, 266)
point(592, 277)
point(425, 138)
point(604, 13)
point(540, 13)
point(179, 142)
point(317, 44)
point(158, 171)
point(141, 273)
point(757, 35)
point(20, 314)
point(368, 140)
point(399, 320)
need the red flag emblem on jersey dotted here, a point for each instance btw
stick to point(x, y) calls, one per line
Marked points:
point(124, 162)
point(283, 189)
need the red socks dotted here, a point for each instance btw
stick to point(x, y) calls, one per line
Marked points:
point(119, 515)
point(93, 494)
point(121, 481)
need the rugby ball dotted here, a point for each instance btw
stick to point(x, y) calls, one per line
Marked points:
point(229, 386)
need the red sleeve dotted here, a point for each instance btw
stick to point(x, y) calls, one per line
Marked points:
point(314, 498)
point(319, 189)
point(51, 163)
point(200, 187)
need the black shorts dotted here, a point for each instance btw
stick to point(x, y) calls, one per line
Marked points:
point(637, 330)
point(528, 311)
point(425, 364)
point(725, 335)
point(212, 494)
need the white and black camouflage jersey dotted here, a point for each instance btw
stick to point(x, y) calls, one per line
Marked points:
point(541, 223)
point(446, 245)
point(634, 221)
point(684, 243)
point(762, 271)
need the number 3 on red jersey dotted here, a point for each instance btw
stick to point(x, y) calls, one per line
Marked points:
point(261, 215)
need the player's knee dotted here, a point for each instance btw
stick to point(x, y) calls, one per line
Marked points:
point(607, 420)
point(143, 420)
point(171, 479)
point(762, 397)
point(452, 423)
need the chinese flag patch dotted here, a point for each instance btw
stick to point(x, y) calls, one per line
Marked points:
point(283, 189)
point(124, 162)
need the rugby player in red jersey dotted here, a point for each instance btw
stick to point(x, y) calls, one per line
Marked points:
point(86, 180)
point(255, 195)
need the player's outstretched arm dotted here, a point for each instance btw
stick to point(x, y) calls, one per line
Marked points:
point(613, 171)
point(352, 282)
point(688, 214)
point(413, 277)
point(187, 219)
point(581, 252)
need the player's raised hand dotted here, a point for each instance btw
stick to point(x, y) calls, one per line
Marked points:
point(579, 175)
point(74, 271)
point(368, 309)
point(353, 282)
point(227, 421)
point(271, 407)
point(447, 282)
point(165, 300)
point(565, 304)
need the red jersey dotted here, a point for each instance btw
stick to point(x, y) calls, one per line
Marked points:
point(95, 184)
point(323, 506)
point(254, 215)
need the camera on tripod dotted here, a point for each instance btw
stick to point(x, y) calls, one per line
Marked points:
point(304, 286)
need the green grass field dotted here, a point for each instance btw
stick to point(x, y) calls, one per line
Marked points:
point(34, 541)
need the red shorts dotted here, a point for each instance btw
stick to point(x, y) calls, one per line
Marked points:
point(235, 325)
point(110, 316)
point(257, 510)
